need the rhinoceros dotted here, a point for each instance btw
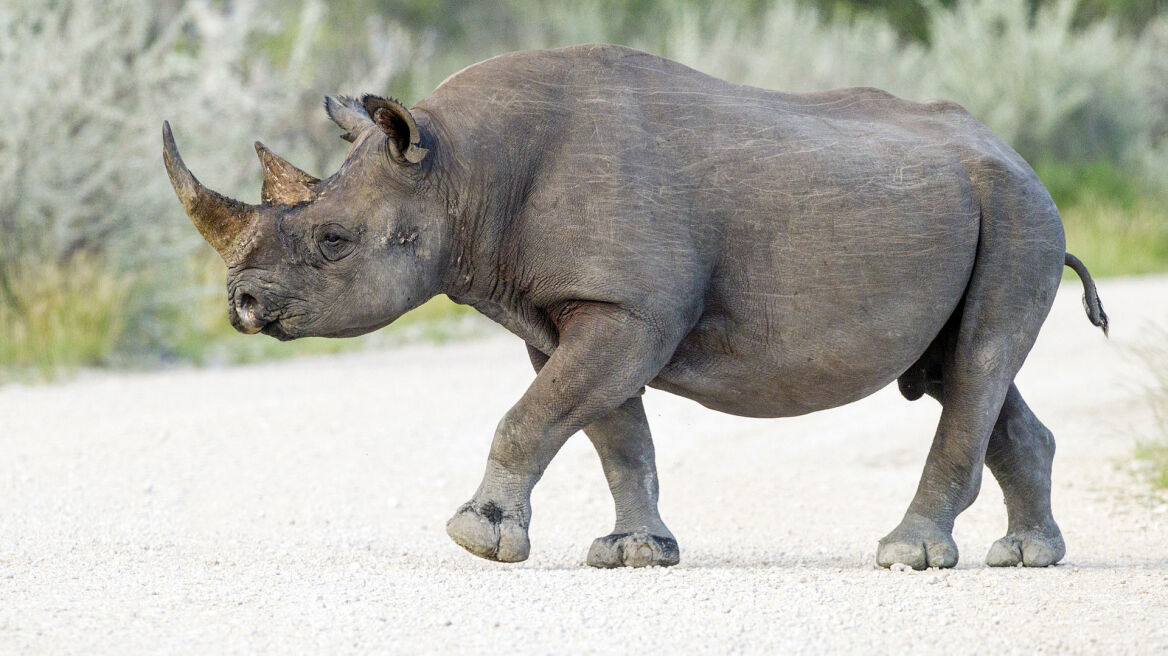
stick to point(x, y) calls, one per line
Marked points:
point(637, 222)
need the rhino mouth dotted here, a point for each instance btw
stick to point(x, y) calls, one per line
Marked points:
point(358, 331)
point(274, 329)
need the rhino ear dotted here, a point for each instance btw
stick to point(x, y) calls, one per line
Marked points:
point(398, 123)
point(348, 113)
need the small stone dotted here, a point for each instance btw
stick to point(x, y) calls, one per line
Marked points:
point(900, 567)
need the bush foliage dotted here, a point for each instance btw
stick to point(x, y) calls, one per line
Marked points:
point(92, 230)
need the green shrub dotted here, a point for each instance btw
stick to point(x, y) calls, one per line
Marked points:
point(1071, 183)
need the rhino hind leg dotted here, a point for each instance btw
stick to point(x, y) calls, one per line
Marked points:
point(1020, 454)
point(971, 399)
point(625, 446)
point(1009, 295)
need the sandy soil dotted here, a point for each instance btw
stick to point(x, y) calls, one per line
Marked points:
point(299, 507)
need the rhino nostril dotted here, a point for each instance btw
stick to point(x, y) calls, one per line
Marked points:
point(246, 303)
point(245, 309)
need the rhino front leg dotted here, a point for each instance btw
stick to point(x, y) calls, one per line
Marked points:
point(604, 357)
point(625, 445)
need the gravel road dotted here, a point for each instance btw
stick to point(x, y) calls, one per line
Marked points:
point(299, 507)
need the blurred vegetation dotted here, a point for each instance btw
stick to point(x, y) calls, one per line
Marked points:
point(99, 266)
point(1151, 456)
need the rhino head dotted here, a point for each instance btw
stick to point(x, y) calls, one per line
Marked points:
point(337, 257)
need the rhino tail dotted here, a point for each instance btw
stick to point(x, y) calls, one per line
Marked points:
point(1091, 302)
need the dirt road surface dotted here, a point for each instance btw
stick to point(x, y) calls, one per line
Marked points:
point(299, 507)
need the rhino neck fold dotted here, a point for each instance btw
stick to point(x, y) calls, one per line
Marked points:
point(484, 198)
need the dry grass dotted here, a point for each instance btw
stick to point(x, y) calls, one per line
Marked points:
point(1116, 241)
point(56, 318)
point(1151, 454)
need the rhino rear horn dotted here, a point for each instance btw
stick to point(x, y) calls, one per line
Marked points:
point(221, 220)
point(284, 184)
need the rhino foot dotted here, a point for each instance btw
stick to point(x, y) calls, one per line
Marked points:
point(636, 549)
point(1028, 548)
point(489, 532)
point(919, 544)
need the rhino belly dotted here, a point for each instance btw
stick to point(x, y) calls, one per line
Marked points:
point(739, 373)
point(786, 337)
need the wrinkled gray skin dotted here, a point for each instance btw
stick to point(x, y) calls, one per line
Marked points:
point(639, 223)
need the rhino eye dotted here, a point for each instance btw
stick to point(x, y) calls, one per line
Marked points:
point(334, 241)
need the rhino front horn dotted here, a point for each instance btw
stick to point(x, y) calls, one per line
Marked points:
point(221, 220)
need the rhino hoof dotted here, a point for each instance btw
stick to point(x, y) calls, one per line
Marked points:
point(636, 549)
point(919, 547)
point(1028, 549)
point(488, 532)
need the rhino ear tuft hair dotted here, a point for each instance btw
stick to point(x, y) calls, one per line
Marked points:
point(398, 123)
point(349, 114)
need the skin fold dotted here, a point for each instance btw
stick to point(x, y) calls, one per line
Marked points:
point(639, 223)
